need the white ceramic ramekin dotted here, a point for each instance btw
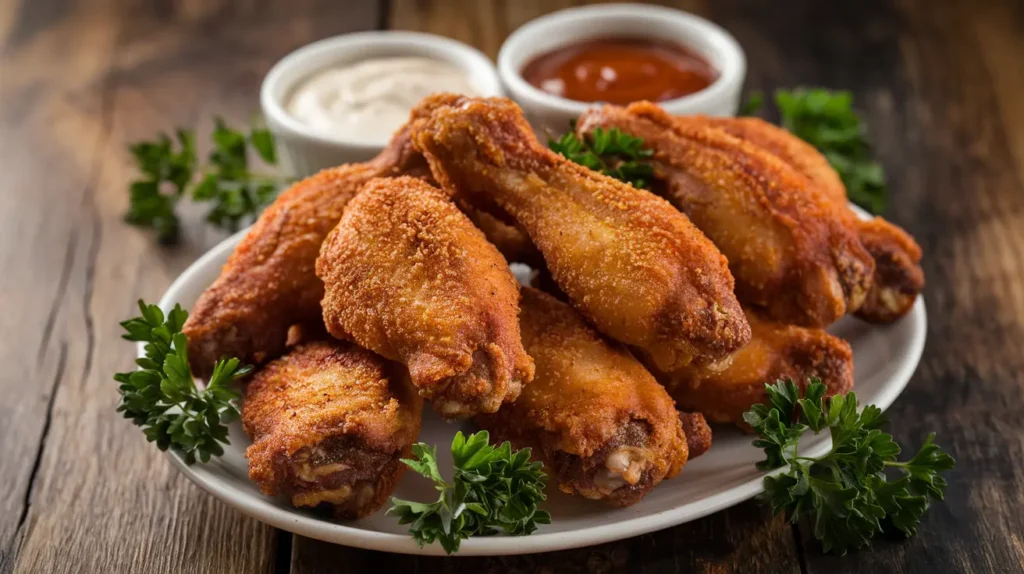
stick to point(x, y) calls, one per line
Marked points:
point(305, 151)
point(551, 113)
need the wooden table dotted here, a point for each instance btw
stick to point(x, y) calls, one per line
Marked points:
point(941, 85)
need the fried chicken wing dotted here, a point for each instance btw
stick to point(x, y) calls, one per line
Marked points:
point(513, 244)
point(698, 433)
point(775, 351)
point(329, 422)
point(898, 277)
point(408, 276)
point(603, 426)
point(628, 261)
point(791, 250)
point(269, 283)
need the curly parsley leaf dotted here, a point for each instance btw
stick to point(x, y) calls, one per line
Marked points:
point(163, 399)
point(826, 119)
point(611, 152)
point(493, 489)
point(166, 167)
point(169, 173)
point(846, 493)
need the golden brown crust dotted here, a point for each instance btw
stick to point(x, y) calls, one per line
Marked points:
point(408, 276)
point(586, 391)
point(776, 351)
point(698, 433)
point(632, 264)
point(269, 282)
point(802, 156)
point(898, 277)
point(513, 244)
point(791, 250)
point(333, 396)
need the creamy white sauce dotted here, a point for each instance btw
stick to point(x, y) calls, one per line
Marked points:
point(369, 100)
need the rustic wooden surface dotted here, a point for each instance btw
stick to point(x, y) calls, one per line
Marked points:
point(942, 88)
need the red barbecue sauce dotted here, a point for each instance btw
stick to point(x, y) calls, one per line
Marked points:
point(620, 71)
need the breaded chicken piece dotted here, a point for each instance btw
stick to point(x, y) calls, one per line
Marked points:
point(628, 261)
point(898, 277)
point(776, 351)
point(697, 431)
point(513, 244)
point(329, 422)
point(408, 276)
point(269, 283)
point(791, 250)
point(604, 428)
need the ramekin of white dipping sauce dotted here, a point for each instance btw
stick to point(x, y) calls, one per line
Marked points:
point(339, 100)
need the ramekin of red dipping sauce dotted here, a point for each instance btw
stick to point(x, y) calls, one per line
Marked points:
point(559, 65)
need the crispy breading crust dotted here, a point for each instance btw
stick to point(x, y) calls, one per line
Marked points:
point(791, 250)
point(898, 277)
point(898, 274)
point(513, 244)
point(586, 391)
point(776, 351)
point(697, 431)
point(408, 276)
point(269, 283)
point(330, 393)
point(802, 156)
point(629, 261)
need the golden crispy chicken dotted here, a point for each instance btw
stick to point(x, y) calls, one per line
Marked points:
point(408, 276)
point(697, 431)
point(329, 422)
point(513, 244)
point(775, 351)
point(603, 426)
point(792, 251)
point(628, 261)
point(269, 282)
point(898, 277)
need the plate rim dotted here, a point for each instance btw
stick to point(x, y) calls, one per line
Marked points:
point(297, 522)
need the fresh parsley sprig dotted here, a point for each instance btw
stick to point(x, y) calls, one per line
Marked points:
point(169, 173)
point(826, 119)
point(161, 396)
point(492, 489)
point(611, 152)
point(846, 493)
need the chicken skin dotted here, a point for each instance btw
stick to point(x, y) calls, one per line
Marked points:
point(775, 351)
point(604, 428)
point(627, 260)
point(408, 276)
point(791, 250)
point(898, 277)
point(269, 282)
point(329, 422)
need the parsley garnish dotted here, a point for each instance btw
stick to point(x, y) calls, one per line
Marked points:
point(169, 173)
point(161, 396)
point(826, 119)
point(492, 489)
point(611, 152)
point(846, 493)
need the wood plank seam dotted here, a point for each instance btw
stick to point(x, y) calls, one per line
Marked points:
point(27, 499)
point(103, 139)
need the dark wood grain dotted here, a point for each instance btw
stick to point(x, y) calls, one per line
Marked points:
point(940, 85)
point(83, 491)
point(723, 544)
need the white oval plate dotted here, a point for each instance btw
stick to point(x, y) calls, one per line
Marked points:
point(884, 358)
